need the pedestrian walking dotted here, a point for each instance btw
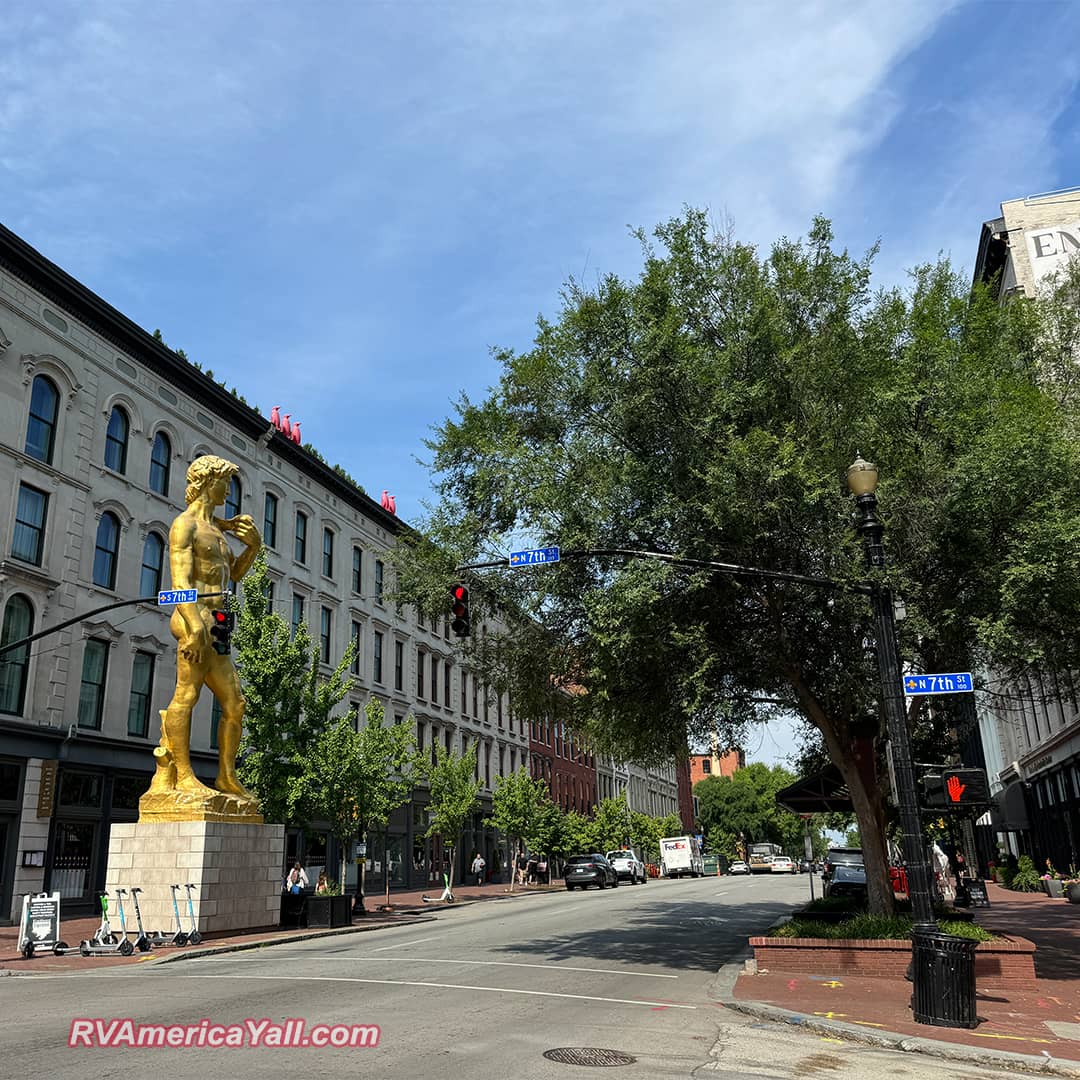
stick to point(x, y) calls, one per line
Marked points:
point(522, 867)
point(478, 865)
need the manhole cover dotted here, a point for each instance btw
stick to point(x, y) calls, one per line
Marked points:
point(588, 1055)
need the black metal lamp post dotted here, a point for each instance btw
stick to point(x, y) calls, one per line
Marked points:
point(942, 967)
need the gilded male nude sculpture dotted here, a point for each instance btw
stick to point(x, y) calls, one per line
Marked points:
point(200, 558)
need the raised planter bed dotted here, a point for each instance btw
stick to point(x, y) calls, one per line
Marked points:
point(329, 910)
point(1003, 962)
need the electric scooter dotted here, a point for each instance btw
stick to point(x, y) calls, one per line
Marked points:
point(120, 894)
point(179, 938)
point(104, 940)
point(144, 943)
point(194, 938)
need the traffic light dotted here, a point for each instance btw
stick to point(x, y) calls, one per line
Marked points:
point(221, 630)
point(459, 610)
point(955, 789)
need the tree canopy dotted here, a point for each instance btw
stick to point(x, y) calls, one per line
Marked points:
point(709, 410)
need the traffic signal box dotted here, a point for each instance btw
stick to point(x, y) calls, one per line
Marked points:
point(955, 789)
point(221, 631)
point(459, 611)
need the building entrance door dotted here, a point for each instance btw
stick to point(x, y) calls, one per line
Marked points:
point(74, 860)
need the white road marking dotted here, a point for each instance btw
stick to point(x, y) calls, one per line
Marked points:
point(724, 893)
point(402, 944)
point(434, 960)
point(647, 1003)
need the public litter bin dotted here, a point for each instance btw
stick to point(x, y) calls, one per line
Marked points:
point(944, 977)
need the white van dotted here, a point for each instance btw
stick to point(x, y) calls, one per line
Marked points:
point(681, 855)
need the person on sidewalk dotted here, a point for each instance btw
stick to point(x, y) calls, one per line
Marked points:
point(478, 865)
point(522, 867)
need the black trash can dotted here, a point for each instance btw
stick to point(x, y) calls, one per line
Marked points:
point(944, 977)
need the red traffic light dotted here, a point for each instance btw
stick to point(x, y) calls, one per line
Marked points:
point(459, 610)
point(220, 616)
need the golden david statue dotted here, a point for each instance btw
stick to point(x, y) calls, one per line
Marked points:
point(200, 558)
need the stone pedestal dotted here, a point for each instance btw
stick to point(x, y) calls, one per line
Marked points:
point(236, 867)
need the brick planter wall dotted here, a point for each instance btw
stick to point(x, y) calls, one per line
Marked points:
point(1005, 962)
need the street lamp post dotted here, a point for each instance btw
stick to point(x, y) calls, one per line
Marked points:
point(943, 976)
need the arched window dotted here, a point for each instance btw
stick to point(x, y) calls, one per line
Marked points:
point(18, 623)
point(153, 555)
point(159, 464)
point(232, 500)
point(116, 440)
point(105, 549)
point(41, 427)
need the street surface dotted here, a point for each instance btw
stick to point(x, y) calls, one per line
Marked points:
point(481, 993)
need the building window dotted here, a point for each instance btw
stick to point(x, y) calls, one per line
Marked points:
point(300, 547)
point(378, 581)
point(160, 457)
point(706, 765)
point(357, 570)
point(142, 686)
point(116, 440)
point(435, 680)
point(487, 704)
point(498, 710)
point(464, 692)
point(232, 500)
point(153, 556)
point(399, 665)
point(92, 689)
point(446, 683)
point(28, 541)
point(420, 618)
point(420, 728)
point(106, 546)
point(215, 723)
point(449, 735)
point(14, 666)
point(419, 674)
point(328, 553)
point(270, 504)
point(297, 612)
point(41, 427)
point(357, 651)
point(377, 666)
point(269, 596)
point(324, 634)
point(475, 695)
point(487, 764)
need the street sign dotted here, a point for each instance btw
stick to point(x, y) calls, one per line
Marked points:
point(534, 556)
point(177, 596)
point(955, 683)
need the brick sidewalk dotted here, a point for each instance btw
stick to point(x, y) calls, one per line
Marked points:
point(1041, 1022)
point(406, 908)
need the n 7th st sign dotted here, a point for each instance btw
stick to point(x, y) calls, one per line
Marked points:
point(956, 683)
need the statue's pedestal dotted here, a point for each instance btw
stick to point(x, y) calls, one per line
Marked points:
point(237, 869)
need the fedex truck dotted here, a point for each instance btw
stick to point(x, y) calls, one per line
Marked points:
point(681, 855)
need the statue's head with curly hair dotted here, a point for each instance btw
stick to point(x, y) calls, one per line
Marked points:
point(203, 471)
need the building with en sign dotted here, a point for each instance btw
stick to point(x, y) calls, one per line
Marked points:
point(1028, 730)
point(98, 423)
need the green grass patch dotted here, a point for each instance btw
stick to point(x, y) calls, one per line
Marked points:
point(873, 928)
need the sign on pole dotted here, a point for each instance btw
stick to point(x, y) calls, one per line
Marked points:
point(955, 789)
point(534, 556)
point(177, 596)
point(954, 683)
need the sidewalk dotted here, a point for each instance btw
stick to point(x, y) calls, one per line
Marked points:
point(406, 908)
point(1043, 1024)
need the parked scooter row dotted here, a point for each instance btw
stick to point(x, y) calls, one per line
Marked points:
point(105, 941)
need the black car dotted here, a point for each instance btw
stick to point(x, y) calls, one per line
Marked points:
point(846, 881)
point(840, 856)
point(585, 870)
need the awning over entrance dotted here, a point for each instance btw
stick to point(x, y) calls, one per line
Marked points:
point(820, 793)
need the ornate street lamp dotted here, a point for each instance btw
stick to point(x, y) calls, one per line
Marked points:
point(943, 977)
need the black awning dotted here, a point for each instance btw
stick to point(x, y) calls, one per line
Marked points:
point(820, 793)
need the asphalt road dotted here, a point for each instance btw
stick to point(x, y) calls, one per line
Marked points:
point(481, 993)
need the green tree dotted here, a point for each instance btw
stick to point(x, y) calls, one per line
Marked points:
point(709, 410)
point(454, 795)
point(516, 804)
point(289, 701)
point(546, 835)
point(612, 825)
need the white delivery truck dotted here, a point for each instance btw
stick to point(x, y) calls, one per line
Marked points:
point(681, 855)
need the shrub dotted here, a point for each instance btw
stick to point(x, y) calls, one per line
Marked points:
point(1026, 878)
point(873, 928)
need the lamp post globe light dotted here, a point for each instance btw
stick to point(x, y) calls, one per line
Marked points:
point(942, 967)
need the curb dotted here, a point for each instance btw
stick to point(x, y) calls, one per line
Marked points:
point(887, 1040)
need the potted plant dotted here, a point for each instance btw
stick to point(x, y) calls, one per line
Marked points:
point(1051, 881)
point(327, 906)
point(1071, 885)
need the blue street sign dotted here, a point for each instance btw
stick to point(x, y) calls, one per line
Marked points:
point(954, 683)
point(534, 556)
point(177, 596)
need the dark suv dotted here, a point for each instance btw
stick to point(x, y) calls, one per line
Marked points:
point(585, 870)
point(852, 875)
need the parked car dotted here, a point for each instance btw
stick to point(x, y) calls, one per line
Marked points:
point(738, 867)
point(805, 865)
point(581, 871)
point(627, 866)
point(840, 856)
point(846, 880)
point(781, 864)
